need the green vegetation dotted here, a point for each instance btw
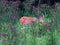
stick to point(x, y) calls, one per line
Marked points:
point(46, 33)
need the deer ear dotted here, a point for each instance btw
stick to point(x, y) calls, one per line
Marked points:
point(41, 16)
point(41, 19)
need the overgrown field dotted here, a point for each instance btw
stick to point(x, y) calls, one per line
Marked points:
point(13, 32)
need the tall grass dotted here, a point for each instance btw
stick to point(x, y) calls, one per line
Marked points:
point(46, 33)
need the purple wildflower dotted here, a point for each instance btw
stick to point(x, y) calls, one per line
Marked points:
point(34, 8)
point(19, 10)
point(47, 24)
point(14, 17)
point(3, 34)
point(5, 2)
point(16, 3)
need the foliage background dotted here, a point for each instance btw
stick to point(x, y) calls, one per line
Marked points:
point(10, 26)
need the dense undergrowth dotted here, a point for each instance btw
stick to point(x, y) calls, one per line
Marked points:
point(46, 33)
